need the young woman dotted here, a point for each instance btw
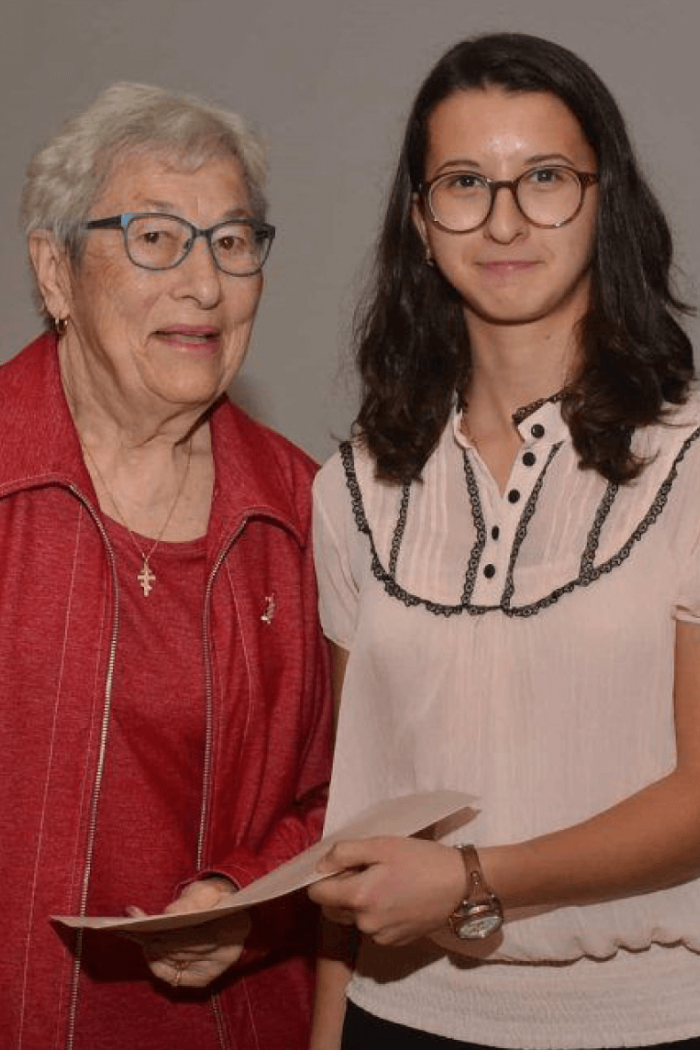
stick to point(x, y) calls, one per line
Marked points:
point(509, 568)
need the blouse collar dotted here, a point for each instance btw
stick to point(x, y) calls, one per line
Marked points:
point(540, 422)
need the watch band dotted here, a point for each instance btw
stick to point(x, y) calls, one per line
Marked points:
point(480, 913)
point(472, 866)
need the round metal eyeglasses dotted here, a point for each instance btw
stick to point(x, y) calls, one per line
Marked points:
point(154, 241)
point(548, 197)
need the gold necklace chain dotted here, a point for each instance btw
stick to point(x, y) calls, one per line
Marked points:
point(146, 576)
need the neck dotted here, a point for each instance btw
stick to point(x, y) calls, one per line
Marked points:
point(512, 366)
point(156, 476)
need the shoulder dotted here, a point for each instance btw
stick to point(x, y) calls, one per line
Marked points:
point(330, 493)
point(331, 479)
point(33, 367)
point(348, 479)
point(258, 442)
point(267, 442)
point(37, 436)
point(260, 468)
point(672, 441)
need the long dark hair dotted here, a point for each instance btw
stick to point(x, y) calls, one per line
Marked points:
point(411, 339)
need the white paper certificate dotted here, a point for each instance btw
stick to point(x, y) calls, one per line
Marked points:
point(399, 816)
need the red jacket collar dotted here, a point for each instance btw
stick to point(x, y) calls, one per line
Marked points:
point(256, 468)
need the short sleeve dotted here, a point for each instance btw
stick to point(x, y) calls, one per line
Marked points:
point(686, 538)
point(688, 601)
point(333, 533)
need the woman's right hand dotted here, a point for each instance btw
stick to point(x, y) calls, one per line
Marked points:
point(395, 890)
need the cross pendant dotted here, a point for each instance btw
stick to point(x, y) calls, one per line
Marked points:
point(146, 578)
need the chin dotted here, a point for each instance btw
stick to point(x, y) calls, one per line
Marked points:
point(190, 384)
point(516, 312)
point(507, 318)
point(193, 395)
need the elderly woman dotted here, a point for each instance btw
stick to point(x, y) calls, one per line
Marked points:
point(164, 690)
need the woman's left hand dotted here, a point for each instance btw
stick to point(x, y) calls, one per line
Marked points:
point(194, 957)
point(395, 890)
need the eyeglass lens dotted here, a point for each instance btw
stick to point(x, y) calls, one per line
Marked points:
point(158, 242)
point(460, 201)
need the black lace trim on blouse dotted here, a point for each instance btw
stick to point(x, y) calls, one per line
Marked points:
point(479, 528)
point(588, 572)
point(521, 414)
point(587, 568)
point(399, 530)
point(521, 530)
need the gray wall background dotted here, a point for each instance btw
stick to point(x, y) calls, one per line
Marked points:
point(329, 82)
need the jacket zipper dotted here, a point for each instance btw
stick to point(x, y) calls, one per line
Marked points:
point(97, 785)
point(208, 751)
point(206, 775)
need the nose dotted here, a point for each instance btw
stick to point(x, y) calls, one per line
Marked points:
point(199, 276)
point(505, 222)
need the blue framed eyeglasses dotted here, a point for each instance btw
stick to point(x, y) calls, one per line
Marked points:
point(155, 241)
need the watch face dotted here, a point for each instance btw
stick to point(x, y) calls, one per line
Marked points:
point(478, 927)
point(476, 922)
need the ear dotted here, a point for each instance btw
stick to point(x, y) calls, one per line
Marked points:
point(53, 272)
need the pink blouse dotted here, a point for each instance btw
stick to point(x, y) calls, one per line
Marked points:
point(519, 647)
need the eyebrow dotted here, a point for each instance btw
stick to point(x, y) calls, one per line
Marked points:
point(168, 208)
point(547, 158)
point(165, 206)
point(462, 163)
point(237, 213)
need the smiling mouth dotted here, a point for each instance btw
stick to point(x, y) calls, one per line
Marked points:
point(189, 337)
point(508, 265)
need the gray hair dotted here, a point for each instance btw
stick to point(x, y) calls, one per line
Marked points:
point(66, 176)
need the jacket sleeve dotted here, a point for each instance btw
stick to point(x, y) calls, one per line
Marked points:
point(279, 781)
point(273, 726)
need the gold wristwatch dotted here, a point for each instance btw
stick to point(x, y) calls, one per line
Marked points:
point(480, 914)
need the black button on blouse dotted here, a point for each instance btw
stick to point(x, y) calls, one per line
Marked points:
point(529, 459)
point(495, 532)
point(489, 571)
point(537, 430)
point(513, 496)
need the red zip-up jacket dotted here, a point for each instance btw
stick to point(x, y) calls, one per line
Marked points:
point(267, 754)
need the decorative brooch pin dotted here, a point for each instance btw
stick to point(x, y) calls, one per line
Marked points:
point(270, 608)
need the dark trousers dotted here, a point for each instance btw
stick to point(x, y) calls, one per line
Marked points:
point(363, 1031)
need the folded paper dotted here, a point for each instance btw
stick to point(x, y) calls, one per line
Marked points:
point(399, 816)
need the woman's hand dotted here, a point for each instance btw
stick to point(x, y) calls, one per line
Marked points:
point(194, 957)
point(393, 889)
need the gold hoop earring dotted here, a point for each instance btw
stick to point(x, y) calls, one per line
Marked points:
point(60, 326)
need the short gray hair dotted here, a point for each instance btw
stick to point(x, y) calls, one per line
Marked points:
point(66, 176)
